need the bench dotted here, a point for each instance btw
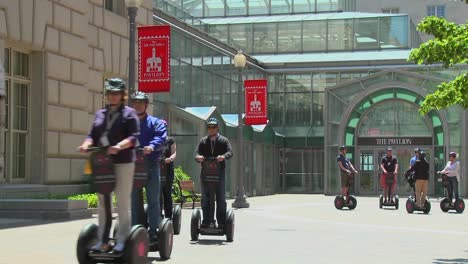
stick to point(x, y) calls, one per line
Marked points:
point(190, 187)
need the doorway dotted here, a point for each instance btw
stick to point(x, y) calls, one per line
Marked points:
point(368, 165)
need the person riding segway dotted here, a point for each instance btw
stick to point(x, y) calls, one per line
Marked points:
point(151, 138)
point(112, 140)
point(419, 202)
point(450, 177)
point(348, 173)
point(212, 153)
point(167, 181)
point(389, 166)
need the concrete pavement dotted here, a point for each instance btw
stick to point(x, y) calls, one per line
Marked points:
point(280, 229)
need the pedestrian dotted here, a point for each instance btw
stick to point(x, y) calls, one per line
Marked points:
point(421, 175)
point(389, 166)
point(116, 127)
point(152, 138)
point(452, 170)
point(214, 145)
point(347, 170)
point(170, 154)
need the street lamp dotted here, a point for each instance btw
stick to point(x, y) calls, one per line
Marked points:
point(241, 199)
point(132, 8)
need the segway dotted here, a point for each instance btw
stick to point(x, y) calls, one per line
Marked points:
point(210, 177)
point(176, 210)
point(445, 204)
point(411, 202)
point(389, 180)
point(349, 201)
point(165, 229)
point(136, 244)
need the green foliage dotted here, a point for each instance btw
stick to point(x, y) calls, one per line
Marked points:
point(449, 47)
point(179, 175)
point(91, 198)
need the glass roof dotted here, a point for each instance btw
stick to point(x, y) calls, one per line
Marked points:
point(201, 112)
point(230, 119)
point(295, 17)
point(335, 56)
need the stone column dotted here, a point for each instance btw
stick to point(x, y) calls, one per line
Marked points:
point(2, 118)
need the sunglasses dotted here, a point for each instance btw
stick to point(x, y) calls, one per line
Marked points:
point(210, 127)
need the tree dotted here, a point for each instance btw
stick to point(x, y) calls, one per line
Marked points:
point(449, 47)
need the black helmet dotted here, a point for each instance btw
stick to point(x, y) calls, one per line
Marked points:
point(417, 150)
point(389, 148)
point(342, 148)
point(422, 154)
point(212, 121)
point(114, 85)
point(140, 96)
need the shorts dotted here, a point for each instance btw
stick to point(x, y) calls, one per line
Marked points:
point(383, 180)
point(344, 179)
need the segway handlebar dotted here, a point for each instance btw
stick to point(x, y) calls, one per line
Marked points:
point(95, 149)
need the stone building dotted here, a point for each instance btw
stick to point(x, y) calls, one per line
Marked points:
point(56, 55)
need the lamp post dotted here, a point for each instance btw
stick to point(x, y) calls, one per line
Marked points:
point(132, 8)
point(241, 199)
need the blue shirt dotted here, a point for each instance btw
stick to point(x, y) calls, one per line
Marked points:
point(413, 161)
point(152, 133)
point(344, 161)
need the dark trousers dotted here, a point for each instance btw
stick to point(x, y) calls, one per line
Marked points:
point(452, 188)
point(166, 194)
point(211, 192)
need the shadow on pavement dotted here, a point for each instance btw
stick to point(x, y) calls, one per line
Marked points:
point(16, 223)
point(151, 259)
point(449, 261)
point(209, 242)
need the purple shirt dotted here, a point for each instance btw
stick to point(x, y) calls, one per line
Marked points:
point(126, 126)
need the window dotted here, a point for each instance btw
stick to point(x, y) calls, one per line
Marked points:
point(390, 10)
point(116, 6)
point(17, 82)
point(436, 10)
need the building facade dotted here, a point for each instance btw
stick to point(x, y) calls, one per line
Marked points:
point(337, 74)
point(56, 56)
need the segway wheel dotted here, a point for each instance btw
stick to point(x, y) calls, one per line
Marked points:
point(87, 238)
point(352, 202)
point(397, 202)
point(380, 201)
point(444, 205)
point(427, 207)
point(410, 205)
point(195, 224)
point(136, 246)
point(166, 238)
point(339, 202)
point(176, 219)
point(230, 220)
point(459, 205)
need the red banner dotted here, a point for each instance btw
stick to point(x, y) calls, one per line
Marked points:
point(154, 57)
point(256, 104)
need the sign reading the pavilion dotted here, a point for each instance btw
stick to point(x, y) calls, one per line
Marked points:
point(256, 105)
point(154, 57)
point(394, 141)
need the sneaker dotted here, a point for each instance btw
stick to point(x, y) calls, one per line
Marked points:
point(119, 247)
point(100, 247)
point(212, 225)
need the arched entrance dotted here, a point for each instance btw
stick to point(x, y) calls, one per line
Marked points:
point(391, 122)
point(370, 114)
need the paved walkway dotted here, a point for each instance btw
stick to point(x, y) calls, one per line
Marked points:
point(279, 229)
